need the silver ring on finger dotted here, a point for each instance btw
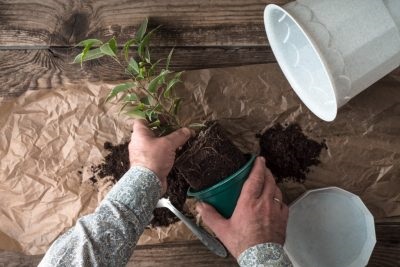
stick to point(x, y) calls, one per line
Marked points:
point(277, 200)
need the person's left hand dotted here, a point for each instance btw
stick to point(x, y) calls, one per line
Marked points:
point(260, 215)
point(156, 154)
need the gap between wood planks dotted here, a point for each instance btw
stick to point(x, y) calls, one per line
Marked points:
point(33, 69)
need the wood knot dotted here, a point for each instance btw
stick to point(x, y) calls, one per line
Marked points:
point(75, 28)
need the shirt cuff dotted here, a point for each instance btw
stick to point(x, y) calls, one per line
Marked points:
point(139, 190)
point(266, 254)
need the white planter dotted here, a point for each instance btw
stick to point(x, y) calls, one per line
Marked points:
point(329, 227)
point(331, 50)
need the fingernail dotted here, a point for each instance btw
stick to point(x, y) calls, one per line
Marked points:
point(199, 207)
point(187, 131)
point(262, 159)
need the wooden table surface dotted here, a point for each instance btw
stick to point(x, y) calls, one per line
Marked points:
point(37, 39)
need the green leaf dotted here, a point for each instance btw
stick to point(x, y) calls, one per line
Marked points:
point(78, 58)
point(169, 58)
point(118, 89)
point(87, 45)
point(133, 65)
point(107, 50)
point(176, 105)
point(140, 51)
point(90, 42)
point(144, 43)
point(196, 125)
point(147, 55)
point(141, 107)
point(122, 107)
point(178, 75)
point(171, 84)
point(141, 72)
point(142, 30)
point(149, 114)
point(127, 45)
point(153, 85)
point(84, 52)
point(137, 114)
point(113, 45)
point(131, 97)
point(153, 67)
point(145, 100)
point(91, 54)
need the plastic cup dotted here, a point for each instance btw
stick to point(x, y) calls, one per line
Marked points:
point(224, 195)
point(331, 50)
point(329, 227)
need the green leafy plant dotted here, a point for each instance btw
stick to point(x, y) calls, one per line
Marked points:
point(150, 93)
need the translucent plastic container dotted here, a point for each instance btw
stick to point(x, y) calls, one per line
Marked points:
point(329, 227)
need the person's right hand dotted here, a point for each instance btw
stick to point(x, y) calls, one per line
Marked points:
point(156, 154)
point(260, 215)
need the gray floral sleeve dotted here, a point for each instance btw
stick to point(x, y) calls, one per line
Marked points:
point(108, 236)
point(266, 255)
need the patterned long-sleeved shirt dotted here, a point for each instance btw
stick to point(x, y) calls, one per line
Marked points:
point(108, 236)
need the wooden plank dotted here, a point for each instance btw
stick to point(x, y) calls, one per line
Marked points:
point(42, 23)
point(13, 259)
point(193, 253)
point(387, 250)
point(21, 70)
point(190, 253)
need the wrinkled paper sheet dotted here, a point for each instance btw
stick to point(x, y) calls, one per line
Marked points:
point(47, 136)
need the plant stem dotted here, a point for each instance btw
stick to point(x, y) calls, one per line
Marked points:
point(175, 122)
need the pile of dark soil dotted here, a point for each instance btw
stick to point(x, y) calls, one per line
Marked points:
point(116, 164)
point(289, 153)
point(209, 158)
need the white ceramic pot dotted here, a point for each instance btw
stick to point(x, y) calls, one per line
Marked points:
point(331, 50)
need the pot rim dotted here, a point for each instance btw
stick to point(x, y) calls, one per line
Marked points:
point(223, 184)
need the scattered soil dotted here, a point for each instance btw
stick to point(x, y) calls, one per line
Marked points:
point(289, 153)
point(205, 160)
point(116, 164)
point(209, 158)
point(176, 192)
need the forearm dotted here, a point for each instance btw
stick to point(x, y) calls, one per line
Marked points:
point(267, 254)
point(108, 236)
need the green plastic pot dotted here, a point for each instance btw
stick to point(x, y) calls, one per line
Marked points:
point(224, 195)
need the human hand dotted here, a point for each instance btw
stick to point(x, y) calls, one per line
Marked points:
point(156, 154)
point(260, 215)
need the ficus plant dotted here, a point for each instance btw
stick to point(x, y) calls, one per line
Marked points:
point(150, 93)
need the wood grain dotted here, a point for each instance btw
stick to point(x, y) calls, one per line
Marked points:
point(190, 253)
point(185, 22)
point(36, 48)
point(22, 70)
point(387, 250)
point(37, 37)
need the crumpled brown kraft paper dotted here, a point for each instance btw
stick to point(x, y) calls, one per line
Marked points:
point(48, 136)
